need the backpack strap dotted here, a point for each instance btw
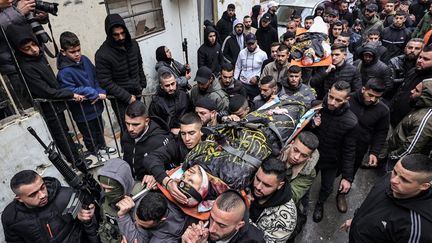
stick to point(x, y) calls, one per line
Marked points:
point(256, 163)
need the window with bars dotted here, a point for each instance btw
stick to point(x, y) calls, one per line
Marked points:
point(142, 17)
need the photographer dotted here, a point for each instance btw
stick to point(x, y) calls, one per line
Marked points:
point(14, 14)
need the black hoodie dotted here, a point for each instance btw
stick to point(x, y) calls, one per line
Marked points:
point(210, 55)
point(119, 70)
point(225, 26)
point(384, 218)
point(24, 224)
point(265, 37)
point(136, 149)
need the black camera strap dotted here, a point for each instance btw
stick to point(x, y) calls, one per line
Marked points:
point(56, 50)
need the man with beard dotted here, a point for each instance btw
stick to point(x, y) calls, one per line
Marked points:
point(206, 109)
point(119, 67)
point(397, 209)
point(294, 89)
point(269, 89)
point(143, 136)
point(400, 65)
point(247, 22)
point(400, 106)
point(337, 135)
point(229, 222)
point(225, 25)
point(169, 103)
point(371, 20)
point(248, 66)
point(308, 22)
point(344, 39)
point(35, 215)
point(278, 69)
point(272, 209)
point(338, 70)
point(166, 62)
point(210, 54)
point(396, 36)
point(234, 42)
point(207, 87)
point(229, 84)
point(266, 34)
point(414, 133)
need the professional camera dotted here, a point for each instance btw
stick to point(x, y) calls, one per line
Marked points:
point(47, 7)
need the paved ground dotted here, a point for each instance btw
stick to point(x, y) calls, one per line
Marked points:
point(328, 229)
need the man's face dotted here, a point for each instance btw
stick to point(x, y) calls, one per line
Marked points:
point(168, 53)
point(368, 57)
point(239, 29)
point(405, 183)
point(73, 53)
point(223, 225)
point(242, 112)
point(289, 42)
point(389, 7)
point(337, 30)
point(231, 12)
point(34, 195)
point(30, 49)
point(343, 7)
point(298, 153)
point(264, 185)
point(338, 57)
point(331, 19)
point(212, 38)
point(273, 9)
point(169, 85)
point(119, 35)
point(274, 51)
point(424, 61)
point(399, 20)
point(193, 177)
point(146, 224)
point(308, 23)
point(370, 97)
point(294, 79)
point(226, 77)
point(5, 3)
point(373, 38)
point(336, 99)
point(413, 49)
point(266, 91)
point(342, 40)
point(291, 27)
point(265, 23)
point(136, 126)
point(297, 21)
point(251, 46)
point(404, 7)
point(282, 57)
point(190, 134)
point(369, 14)
point(205, 114)
point(247, 22)
point(417, 91)
point(203, 87)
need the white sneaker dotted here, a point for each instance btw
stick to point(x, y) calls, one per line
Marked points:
point(107, 150)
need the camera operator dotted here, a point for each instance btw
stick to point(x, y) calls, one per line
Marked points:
point(14, 13)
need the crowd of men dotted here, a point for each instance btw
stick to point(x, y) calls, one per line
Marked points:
point(373, 105)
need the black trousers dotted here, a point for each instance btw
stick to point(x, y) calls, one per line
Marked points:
point(60, 133)
point(93, 134)
point(328, 176)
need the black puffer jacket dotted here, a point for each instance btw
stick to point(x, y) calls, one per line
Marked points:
point(135, 151)
point(395, 39)
point(376, 69)
point(119, 70)
point(337, 136)
point(23, 224)
point(374, 121)
point(323, 81)
point(170, 108)
point(265, 37)
point(400, 104)
point(225, 26)
point(236, 87)
point(210, 55)
point(400, 66)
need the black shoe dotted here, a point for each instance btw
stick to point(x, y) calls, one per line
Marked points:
point(341, 203)
point(318, 212)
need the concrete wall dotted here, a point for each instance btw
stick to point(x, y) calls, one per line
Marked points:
point(242, 7)
point(19, 151)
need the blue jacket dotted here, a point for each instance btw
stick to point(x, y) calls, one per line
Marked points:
point(80, 78)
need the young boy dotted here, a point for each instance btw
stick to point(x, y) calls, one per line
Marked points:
point(77, 74)
point(42, 83)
